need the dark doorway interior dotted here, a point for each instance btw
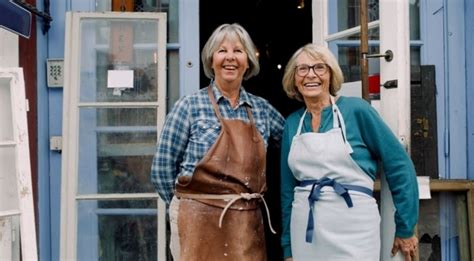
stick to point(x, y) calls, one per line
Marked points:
point(278, 28)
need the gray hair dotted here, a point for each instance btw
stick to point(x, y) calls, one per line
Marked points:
point(231, 32)
point(316, 52)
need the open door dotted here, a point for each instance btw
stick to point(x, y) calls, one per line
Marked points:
point(388, 30)
point(17, 217)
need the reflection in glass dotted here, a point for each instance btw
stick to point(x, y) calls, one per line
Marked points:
point(349, 60)
point(128, 174)
point(118, 45)
point(443, 231)
point(116, 147)
point(348, 16)
point(117, 230)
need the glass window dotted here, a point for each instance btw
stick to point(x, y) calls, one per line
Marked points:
point(348, 47)
point(444, 224)
point(116, 102)
point(123, 229)
point(171, 8)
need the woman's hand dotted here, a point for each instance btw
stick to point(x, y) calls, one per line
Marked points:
point(288, 259)
point(406, 245)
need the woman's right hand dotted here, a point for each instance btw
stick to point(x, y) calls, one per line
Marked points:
point(288, 259)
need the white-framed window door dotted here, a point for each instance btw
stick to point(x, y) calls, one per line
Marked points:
point(17, 217)
point(114, 106)
point(389, 29)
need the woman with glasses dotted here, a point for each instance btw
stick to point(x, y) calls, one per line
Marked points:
point(330, 153)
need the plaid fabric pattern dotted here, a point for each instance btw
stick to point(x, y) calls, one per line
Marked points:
point(192, 127)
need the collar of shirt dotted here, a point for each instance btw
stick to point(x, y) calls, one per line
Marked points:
point(243, 95)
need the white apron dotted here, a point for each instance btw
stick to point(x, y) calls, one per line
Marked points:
point(344, 226)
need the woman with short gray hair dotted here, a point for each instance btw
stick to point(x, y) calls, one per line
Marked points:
point(210, 161)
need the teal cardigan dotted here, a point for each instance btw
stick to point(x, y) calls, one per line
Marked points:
point(372, 141)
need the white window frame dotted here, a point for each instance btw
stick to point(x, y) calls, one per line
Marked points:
point(394, 103)
point(69, 172)
point(24, 197)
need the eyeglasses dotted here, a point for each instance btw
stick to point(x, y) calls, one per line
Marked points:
point(303, 69)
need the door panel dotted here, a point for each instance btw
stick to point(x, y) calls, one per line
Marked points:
point(341, 34)
point(17, 217)
point(114, 106)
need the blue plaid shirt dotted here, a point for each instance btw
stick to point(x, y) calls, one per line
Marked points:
point(192, 127)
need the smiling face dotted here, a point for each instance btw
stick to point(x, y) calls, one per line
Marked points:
point(229, 63)
point(315, 84)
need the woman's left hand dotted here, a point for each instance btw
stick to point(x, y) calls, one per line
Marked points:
point(407, 246)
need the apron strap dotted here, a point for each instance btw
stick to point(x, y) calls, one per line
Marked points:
point(338, 121)
point(216, 108)
point(341, 189)
point(300, 126)
point(232, 198)
point(336, 116)
point(213, 101)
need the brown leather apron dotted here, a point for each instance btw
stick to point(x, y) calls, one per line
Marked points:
point(219, 216)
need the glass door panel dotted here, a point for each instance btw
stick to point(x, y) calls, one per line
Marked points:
point(347, 47)
point(116, 99)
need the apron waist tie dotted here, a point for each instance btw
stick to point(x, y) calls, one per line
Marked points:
point(233, 198)
point(341, 189)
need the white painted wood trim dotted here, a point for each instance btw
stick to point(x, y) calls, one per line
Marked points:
point(350, 31)
point(395, 103)
point(22, 163)
point(71, 105)
point(320, 21)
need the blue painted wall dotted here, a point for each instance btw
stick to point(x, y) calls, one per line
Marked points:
point(469, 10)
point(444, 36)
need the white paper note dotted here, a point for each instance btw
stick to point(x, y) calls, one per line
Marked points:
point(424, 187)
point(120, 79)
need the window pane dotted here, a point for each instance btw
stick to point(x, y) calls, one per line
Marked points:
point(443, 227)
point(348, 16)
point(6, 122)
point(349, 60)
point(414, 19)
point(348, 13)
point(116, 147)
point(117, 230)
point(172, 10)
point(167, 6)
point(8, 180)
point(119, 45)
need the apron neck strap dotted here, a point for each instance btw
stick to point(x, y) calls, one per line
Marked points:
point(216, 108)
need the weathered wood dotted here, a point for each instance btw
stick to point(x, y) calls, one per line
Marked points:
point(424, 147)
point(364, 49)
point(462, 224)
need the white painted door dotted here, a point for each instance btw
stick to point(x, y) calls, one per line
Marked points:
point(114, 107)
point(17, 217)
point(337, 25)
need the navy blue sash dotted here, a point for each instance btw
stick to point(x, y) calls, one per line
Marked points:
point(341, 189)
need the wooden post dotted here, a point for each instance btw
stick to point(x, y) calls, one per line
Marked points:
point(364, 49)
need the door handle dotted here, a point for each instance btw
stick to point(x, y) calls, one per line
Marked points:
point(390, 84)
point(388, 55)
